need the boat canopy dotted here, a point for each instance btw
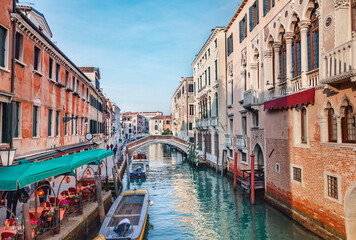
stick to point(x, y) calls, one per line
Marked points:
point(18, 176)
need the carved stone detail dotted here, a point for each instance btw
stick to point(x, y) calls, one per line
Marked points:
point(342, 4)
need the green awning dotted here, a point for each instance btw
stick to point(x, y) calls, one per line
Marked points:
point(28, 173)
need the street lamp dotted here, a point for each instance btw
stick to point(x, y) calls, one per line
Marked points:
point(7, 156)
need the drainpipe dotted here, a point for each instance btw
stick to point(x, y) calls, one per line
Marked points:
point(12, 109)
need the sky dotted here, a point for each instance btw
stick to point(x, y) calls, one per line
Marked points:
point(142, 47)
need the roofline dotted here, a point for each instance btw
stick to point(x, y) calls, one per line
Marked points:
point(181, 82)
point(239, 9)
point(213, 31)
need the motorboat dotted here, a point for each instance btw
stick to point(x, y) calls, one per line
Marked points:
point(127, 216)
point(138, 169)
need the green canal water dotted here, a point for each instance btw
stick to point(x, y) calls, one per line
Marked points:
point(200, 204)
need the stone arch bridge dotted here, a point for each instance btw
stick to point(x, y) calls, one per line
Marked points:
point(153, 139)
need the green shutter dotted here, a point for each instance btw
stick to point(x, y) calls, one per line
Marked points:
point(66, 125)
point(16, 120)
point(241, 30)
point(231, 43)
point(250, 12)
point(245, 25)
point(49, 122)
point(2, 46)
point(34, 121)
point(272, 3)
point(257, 13)
point(6, 123)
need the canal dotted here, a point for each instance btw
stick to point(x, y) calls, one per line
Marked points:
point(200, 204)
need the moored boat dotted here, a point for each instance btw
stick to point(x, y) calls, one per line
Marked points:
point(138, 169)
point(127, 216)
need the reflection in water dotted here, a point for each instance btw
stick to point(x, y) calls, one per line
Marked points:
point(200, 204)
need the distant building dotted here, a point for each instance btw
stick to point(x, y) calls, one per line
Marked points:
point(148, 116)
point(117, 125)
point(132, 123)
point(183, 110)
point(160, 123)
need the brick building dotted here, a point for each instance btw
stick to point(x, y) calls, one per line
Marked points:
point(292, 69)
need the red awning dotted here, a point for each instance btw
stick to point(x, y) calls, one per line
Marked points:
point(293, 100)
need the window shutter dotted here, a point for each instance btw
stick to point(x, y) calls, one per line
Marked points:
point(293, 60)
point(241, 31)
point(245, 25)
point(16, 120)
point(272, 3)
point(265, 7)
point(232, 42)
point(257, 12)
point(2, 46)
point(316, 49)
point(228, 46)
point(251, 17)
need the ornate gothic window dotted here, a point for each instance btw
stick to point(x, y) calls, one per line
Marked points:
point(296, 52)
point(332, 126)
point(348, 125)
point(282, 61)
point(313, 42)
point(303, 123)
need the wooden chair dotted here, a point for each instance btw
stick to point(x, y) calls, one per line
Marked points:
point(7, 235)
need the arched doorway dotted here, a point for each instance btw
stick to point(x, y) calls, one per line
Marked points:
point(350, 212)
point(259, 159)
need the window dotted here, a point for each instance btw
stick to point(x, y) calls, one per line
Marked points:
point(87, 93)
point(97, 83)
point(3, 47)
point(278, 170)
point(296, 52)
point(58, 73)
point(77, 87)
point(65, 125)
point(37, 59)
point(332, 125)
point(209, 52)
point(255, 121)
point(35, 121)
point(267, 5)
point(76, 125)
point(190, 126)
point(50, 68)
point(216, 43)
point(73, 84)
point(313, 42)
point(19, 46)
point(332, 186)
point(243, 28)
point(182, 89)
point(230, 48)
point(67, 79)
point(57, 122)
point(243, 157)
point(156, 127)
point(348, 125)
point(209, 75)
point(206, 78)
point(216, 104)
point(191, 88)
point(50, 122)
point(191, 110)
point(72, 129)
point(253, 12)
point(297, 174)
point(282, 61)
point(353, 15)
point(231, 126)
point(82, 126)
point(82, 90)
point(244, 125)
point(216, 70)
point(303, 122)
point(17, 118)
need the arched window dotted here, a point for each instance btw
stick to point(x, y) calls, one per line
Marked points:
point(303, 123)
point(296, 53)
point(313, 42)
point(282, 61)
point(332, 126)
point(348, 125)
point(216, 104)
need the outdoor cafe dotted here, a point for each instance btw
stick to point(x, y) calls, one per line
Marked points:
point(47, 206)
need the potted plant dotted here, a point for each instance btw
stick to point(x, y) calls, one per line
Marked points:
point(64, 206)
point(33, 228)
point(49, 215)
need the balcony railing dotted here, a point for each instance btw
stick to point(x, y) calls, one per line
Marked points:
point(313, 78)
point(241, 141)
point(339, 63)
point(214, 122)
point(228, 140)
point(251, 98)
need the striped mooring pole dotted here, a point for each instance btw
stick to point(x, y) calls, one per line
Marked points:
point(197, 154)
point(188, 149)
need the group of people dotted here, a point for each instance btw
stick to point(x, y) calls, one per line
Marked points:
point(112, 148)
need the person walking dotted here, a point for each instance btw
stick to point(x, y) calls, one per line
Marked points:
point(12, 198)
point(115, 150)
point(111, 146)
point(107, 147)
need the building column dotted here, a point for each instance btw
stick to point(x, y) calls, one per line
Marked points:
point(276, 49)
point(289, 38)
point(254, 82)
point(303, 26)
point(338, 128)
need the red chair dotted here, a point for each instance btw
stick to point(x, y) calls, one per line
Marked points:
point(65, 193)
point(53, 201)
point(11, 221)
point(7, 235)
point(72, 190)
point(46, 204)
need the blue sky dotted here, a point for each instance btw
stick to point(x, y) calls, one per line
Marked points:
point(142, 47)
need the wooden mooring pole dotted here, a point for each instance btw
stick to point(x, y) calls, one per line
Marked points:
point(27, 222)
point(115, 182)
point(99, 197)
point(253, 178)
point(235, 170)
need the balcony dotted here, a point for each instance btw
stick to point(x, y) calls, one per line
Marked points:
point(214, 122)
point(228, 140)
point(241, 141)
point(340, 63)
point(251, 98)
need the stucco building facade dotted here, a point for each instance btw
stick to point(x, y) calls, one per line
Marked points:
point(160, 123)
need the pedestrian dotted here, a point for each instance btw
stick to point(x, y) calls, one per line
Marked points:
point(111, 146)
point(44, 185)
point(115, 150)
point(11, 197)
point(107, 147)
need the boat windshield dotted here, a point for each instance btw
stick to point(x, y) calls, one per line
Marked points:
point(136, 166)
